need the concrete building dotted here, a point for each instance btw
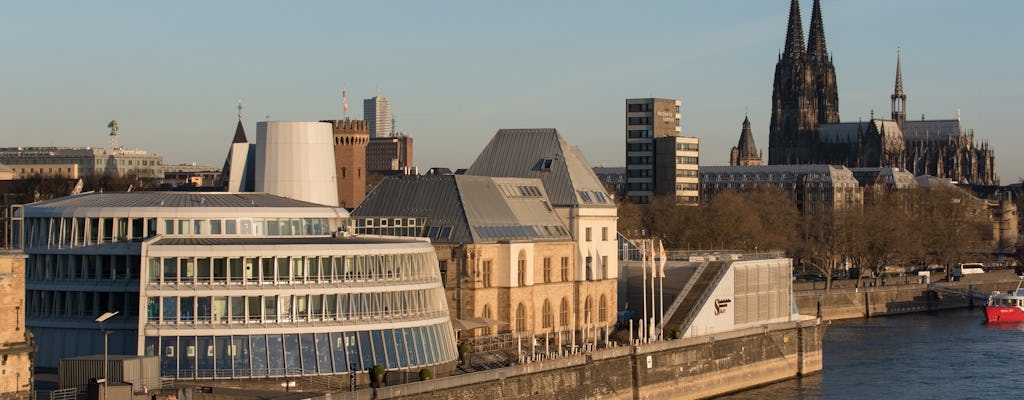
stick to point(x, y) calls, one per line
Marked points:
point(659, 162)
point(16, 343)
point(390, 154)
point(89, 160)
point(22, 171)
point(814, 187)
point(505, 253)
point(377, 112)
point(229, 285)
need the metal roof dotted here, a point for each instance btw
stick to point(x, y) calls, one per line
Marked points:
point(256, 241)
point(172, 200)
point(543, 154)
point(476, 209)
point(941, 129)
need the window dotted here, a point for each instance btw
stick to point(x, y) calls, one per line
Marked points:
point(520, 318)
point(563, 313)
point(604, 233)
point(604, 267)
point(588, 311)
point(443, 266)
point(486, 313)
point(487, 273)
point(590, 269)
point(547, 269)
point(548, 319)
point(588, 234)
point(602, 309)
point(522, 268)
point(565, 269)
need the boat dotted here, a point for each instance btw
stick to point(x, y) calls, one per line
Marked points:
point(1006, 307)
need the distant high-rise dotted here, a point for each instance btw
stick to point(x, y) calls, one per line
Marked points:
point(659, 162)
point(377, 112)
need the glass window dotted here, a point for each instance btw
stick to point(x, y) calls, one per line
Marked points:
point(170, 265)
point(308, 346)
point(170, 309)
point(282, 270)
point(235, 273)
point(220, 270)
point(188, 270)
point(275, 355)
point(199, 226)
point(378, 347)
point(422, 347)
point(230, 227)
point(269, 308)
point(203, 270)
point(338, 344)
point(204, 358)
point(187, 357)
point(323, 353)
point(259, 355)
point(400, 349)
point(255, 308)
point(222, 355)
point(168, 356)
point(187, 308)
point(215, 227)
point(389, 342)
point(240, 355)
point(292, 357)
point(366, 349)
point(285, 307)
point(168, 226)
point(246, 226)
point(220, 309)
point(267, 269)
point(352, 349)
point(237, 309)
point(184, 227)
point(154, 270)
point(153, 309)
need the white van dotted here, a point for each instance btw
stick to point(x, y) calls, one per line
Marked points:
point(966, 269)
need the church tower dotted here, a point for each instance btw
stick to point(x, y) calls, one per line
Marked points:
point(899, 99)
point(805, 93)
point(745, 153)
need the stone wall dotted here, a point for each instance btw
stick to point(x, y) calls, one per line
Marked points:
point(689, 368)
point(16, 345)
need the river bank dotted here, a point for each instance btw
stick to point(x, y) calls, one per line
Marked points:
point(900, 295)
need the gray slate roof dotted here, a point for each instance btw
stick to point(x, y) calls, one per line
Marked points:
point(477, 209)
point(256, 241)
point(172, 199)
point(543, 154)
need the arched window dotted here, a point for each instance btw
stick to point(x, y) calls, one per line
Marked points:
point(522, 268)
point(602, 309)
point(520, 317)
point(548, 318)
point(563, 313)
point(588, 311)
point(486, 313)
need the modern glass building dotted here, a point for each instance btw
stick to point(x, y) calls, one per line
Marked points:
point(228, 285)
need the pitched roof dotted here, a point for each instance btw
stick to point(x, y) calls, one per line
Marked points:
point(940, 129)
point(239, 134)
point(544, 154)
point(746, 146)
point(469, 209)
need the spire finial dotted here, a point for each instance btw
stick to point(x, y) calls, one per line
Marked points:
point(794, 32)
point(239, 108)
point(816, 37)
point(899, 99)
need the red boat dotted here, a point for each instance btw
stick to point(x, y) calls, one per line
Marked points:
point(1006, 307)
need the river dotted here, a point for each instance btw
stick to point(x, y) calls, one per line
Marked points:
point(944, 355)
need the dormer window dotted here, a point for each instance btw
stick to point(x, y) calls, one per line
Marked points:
point(545, 164)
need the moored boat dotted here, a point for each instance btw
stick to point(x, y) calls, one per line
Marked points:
point(1006, 307)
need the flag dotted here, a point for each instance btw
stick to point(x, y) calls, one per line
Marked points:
point(664, 258)
point(643, 260)
point(344, 100)
point(654, 267)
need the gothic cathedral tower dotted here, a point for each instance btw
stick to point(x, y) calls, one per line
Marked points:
point(804, 93)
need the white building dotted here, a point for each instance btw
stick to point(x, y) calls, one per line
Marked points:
point(228, 285)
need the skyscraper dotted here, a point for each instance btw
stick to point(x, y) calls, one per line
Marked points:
point(377, 111)
point(659, 161)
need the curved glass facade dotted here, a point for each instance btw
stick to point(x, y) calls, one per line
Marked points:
point(229, 286)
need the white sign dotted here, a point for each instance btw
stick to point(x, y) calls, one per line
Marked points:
point(650, 362)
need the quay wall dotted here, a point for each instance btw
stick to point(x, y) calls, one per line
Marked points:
point(864, 302)
point(690, 368)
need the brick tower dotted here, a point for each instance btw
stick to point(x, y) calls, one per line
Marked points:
point(350, 140)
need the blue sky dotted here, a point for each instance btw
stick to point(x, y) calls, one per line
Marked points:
point(458, 71)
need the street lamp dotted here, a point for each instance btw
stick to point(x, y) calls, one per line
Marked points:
point(107, 315)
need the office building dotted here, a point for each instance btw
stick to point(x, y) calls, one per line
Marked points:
point(229, 285)
point(377, 112)
point(659, 162)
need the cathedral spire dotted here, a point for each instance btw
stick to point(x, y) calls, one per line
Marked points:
point(816, 37)
point(795, 32)
point(899, 99)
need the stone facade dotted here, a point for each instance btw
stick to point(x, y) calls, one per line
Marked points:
point(17, 346)
point(805, 127)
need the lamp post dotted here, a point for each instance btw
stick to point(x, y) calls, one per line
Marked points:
point(99, 320)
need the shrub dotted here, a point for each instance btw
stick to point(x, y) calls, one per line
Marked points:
point(426, 374)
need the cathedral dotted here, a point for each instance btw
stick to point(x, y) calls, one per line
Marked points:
point(805, 127)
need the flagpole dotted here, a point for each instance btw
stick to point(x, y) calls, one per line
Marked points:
point(654, 274)
point(643, 290)
point(661, 286)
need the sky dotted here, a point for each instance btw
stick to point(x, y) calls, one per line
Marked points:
point(457, 71)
